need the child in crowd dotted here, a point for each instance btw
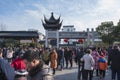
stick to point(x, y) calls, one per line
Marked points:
point(102, 62)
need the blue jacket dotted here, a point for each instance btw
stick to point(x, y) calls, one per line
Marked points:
point(7, 69)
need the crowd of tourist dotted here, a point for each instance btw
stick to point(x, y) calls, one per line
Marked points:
point(98, 60)
point(31, 63)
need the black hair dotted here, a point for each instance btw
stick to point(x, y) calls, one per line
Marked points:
point(88, 51)
point(30, 55)
point(115, 47)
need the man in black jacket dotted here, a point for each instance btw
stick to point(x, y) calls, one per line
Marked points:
point(36, 68)
point(79, 55)
point(114, 62)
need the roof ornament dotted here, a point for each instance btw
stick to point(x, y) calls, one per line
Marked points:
point(52, 23)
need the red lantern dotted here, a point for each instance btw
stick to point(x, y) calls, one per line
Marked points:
point(80, 41)
point(65, 40)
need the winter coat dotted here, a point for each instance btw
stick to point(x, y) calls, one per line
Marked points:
point(41, 72)
point(53, 60)
point(95, 56)
point(114, 60)
point(7, 69)
point(60, 57)
point(45, 56)
point(102, 62)
point(88, 62)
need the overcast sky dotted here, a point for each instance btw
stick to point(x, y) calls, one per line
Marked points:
point(27, 14)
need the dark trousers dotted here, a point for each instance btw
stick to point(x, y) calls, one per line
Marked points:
point(87, 73)
point(114, 73)
point(47, 62)
point(97, 72)
point(54, 71)
point(62, 63)
point(102, 73)
point(9, 60)
point(80, 71)
point(71, 62)
point(66, 60)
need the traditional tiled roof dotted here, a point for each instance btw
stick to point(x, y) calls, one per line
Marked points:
point(51, 23)
point(19, 34)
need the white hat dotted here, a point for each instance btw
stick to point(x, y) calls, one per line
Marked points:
point(21, 72)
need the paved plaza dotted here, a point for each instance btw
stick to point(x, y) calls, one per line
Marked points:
point(71, 74)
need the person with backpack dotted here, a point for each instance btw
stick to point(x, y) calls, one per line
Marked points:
point(36, 68)
point(46, 56)
point(102, 63)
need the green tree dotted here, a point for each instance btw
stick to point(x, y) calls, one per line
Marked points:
point(116, 32)
point(10, 43)
point(105, 30)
